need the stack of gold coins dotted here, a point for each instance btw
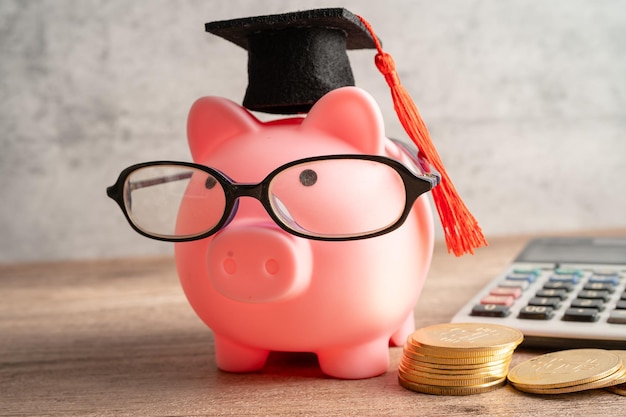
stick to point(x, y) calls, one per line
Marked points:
point(457, 358)
point(569, 371)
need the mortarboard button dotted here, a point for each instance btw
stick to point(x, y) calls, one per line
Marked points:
point(295, 58)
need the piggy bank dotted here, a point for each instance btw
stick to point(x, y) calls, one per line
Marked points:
point(260, 288)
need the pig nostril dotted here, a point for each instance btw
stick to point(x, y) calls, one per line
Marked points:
point(230, 266)
point(271, 266)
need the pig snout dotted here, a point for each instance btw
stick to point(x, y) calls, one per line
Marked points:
point(259, 264)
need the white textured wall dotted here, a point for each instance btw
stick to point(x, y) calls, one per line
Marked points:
point(526, 100)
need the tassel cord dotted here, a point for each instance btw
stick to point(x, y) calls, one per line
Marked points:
point(461, 230)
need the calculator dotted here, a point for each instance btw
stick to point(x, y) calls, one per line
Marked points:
point(561, 292)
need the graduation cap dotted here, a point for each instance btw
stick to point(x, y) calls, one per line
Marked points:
point(295, 58)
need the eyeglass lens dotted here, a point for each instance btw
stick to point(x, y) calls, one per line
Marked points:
point(338, 197)
point(173, 200)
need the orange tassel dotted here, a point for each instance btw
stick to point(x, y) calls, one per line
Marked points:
point(462, 232)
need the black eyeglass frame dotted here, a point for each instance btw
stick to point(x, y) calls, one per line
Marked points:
point(414, 185)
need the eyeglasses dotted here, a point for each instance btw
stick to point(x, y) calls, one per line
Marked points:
point(332, 198)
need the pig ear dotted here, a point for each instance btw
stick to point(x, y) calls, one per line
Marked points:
point(352, 115)
point(213, 120)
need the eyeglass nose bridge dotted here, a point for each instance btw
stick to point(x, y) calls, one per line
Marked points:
point(256, 191)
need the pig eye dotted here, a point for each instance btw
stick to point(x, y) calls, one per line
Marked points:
point(210, 183)
point(308, 177)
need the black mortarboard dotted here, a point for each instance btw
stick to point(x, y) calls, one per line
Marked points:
point(295, 58)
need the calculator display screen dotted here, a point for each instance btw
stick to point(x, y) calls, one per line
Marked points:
point(605, 250)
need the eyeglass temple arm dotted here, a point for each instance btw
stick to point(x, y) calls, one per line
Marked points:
point(426, 167)
point(134, 185)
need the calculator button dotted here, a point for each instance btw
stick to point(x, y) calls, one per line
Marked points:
point(581, 314)
point(507, 283)
point(560, 294)
point(536, 313)
point(498, 299)
point(514, 292)
point(617, 317)
point(605, 279)
point(558, 286)
point(552, 302)
point(522, 277)
point(597, 295)
point(570, 279)
point(599, 286)
point(568, 271)
point(534, 271)
point(605, 272)
point(490, 310)
point(588, 303)
point(621, 305)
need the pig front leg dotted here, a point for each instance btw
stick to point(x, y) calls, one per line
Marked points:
point(234, 357)
point(356, 362)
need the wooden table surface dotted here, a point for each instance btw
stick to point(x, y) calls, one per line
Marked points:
point(117, 337)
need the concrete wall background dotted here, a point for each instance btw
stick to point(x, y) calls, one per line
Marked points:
point(526, 100)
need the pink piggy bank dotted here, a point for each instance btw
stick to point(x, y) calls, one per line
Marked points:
point(261, 288)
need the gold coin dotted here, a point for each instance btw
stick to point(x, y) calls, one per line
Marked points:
point(605, 382)
point(617, 389)
point(436, 373)
point(491, 368)
point(450, 381)
point(456, 353)
point(467, 337)
point(476, 360)
point(565, 368)
point(438, 390)
point(459, 353)
point(475, 379)
point(622, 356)
point(461, 368)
